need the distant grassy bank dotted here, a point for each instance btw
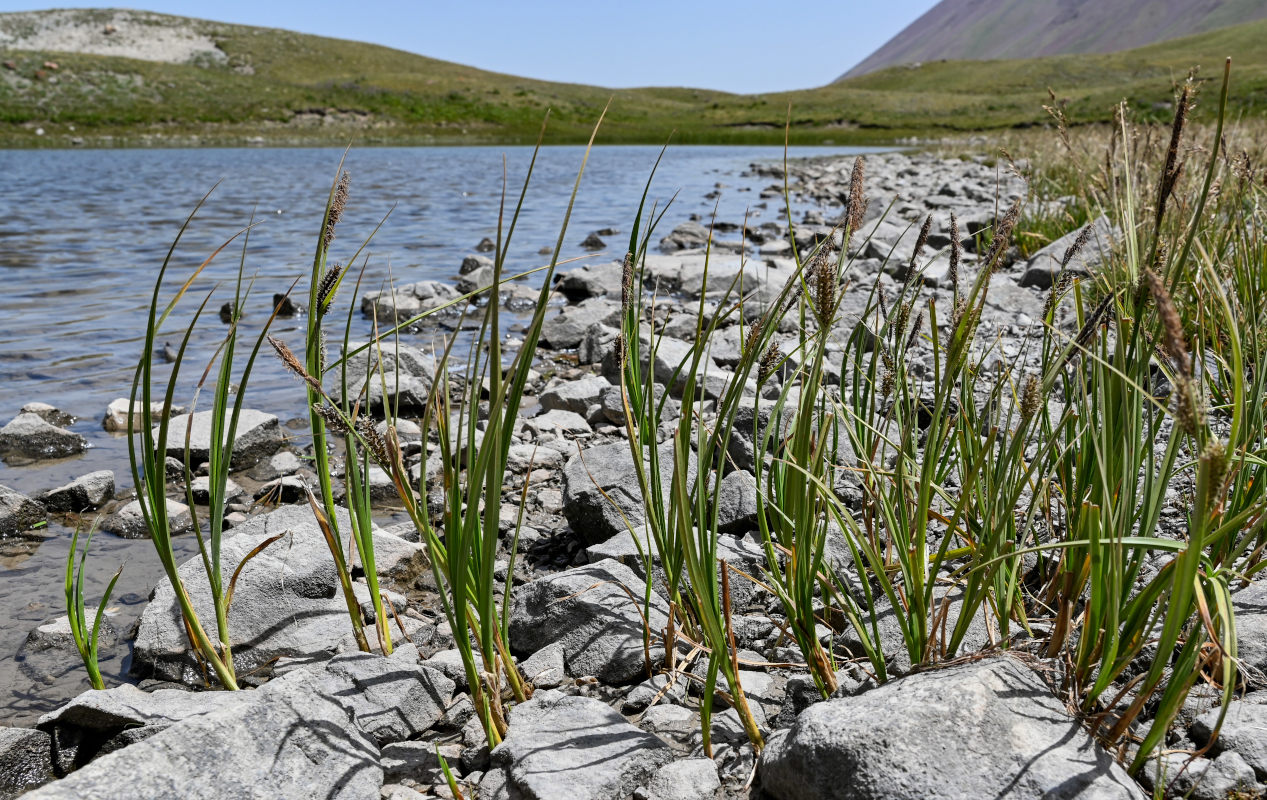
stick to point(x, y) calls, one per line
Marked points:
point(279, 87)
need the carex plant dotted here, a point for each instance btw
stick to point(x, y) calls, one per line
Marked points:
point(462, 534)
point(85, 637)
point(155, 439)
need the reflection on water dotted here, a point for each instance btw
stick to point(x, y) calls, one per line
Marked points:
point(86, 231)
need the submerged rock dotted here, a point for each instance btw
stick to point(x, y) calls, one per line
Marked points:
point(122, 415)
point(571, 747)
point(31, 436)
point(129, 522)
point(989, 728)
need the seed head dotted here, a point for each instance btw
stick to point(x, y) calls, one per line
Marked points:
point(333, 419)
point(1002, 234)
point(1214, 454)
point(326, 287)
point(1172, 326)
point(1031, 398)
point(1058, 290)
point(956, 253)
point(1076, 247)
point(373, 440)
point(1173, 167)
point(920, 241)
point(1189, 411)
point(857, 205)
point(886, 384)
point(915, 329)
point(769, 360)
point(293, 364)
point(824, 289)
point(337, 204)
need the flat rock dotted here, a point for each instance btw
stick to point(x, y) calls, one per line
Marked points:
point(18, 513)
point(391, 699)
point(989, 728)
point(82, 494)
point(30, 435)
point(571, 747)
point(575, 396)
point(592, 280)
point(258, 436)
point(566, 329)
point(1250, 606)
point(593, 613)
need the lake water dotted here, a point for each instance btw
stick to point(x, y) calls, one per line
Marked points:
point(82, 235)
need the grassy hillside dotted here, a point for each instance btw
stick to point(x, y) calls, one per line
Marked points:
point(293, 88)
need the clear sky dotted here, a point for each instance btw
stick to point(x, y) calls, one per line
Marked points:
point(733, 45)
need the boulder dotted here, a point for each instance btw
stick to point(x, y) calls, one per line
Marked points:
point(1180, 775)
point(599, 476)
point(258, 436)
point(989, 728)
point(31, 436)
point(287, 601)
point(82, 494)
point(594, 613)
point(1250, 606)
point(737, 503)
point(49, 413)
point(50, 653)
point(472, 263)
point(559, 422)
point(1244, 732)
point(25, 760)
point(391, 699)
point(571, 747)
point(1044, 267)
point(18, 513)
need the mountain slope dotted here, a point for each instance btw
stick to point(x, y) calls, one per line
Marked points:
point(1009, 29)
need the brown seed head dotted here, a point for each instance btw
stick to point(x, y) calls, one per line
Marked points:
point(325, 288)
point(626, 282)
point(1058, 290)
point(920, 241)
point(1031, 398)
point(333, 419)
point(856, 208)
point(956, 253)
point(1002, 234)
point(293, 364)
point(373, 440)
point(915, 329)
point(1083, 236)
point(337, 204)
point(1171, 324)
point(769, 360)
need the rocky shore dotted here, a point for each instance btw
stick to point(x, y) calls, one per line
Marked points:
point(324, 720)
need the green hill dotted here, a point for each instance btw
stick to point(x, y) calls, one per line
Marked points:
point(86, 75)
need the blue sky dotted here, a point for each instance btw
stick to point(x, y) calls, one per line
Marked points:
point(732, 45)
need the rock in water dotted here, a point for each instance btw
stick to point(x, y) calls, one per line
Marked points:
point(571, 747)
point(984, 729)
point(81, 494)
point(594, 619)
point(31, 436)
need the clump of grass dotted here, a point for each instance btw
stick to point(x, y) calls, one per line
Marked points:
point(85, 637)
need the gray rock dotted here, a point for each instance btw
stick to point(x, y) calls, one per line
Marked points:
point(286, 489)
point(592, 280)
point(286, 740)
point(1179, 775)
point(129, 523)
point(279, 465)
point(481, 278)
point(687, 779)
point(449, 663)
point(609, 468)
point(31, 436)
point(593, 613)
point(659, 688)
point(82, 494)
point(49, 651)
point(567, 328)
point(405, 380)
point(200, 488)
point(1244, 732)
point(406, 302)
point(1250, 606)
point(18, 513)
point(575, 396)
point(571, 747)
point(49, 413)
point(472, 263)
point(593, 242)
point(546, 668)
point(121, 415)
point(737, 502)
point(258, 436)
point(287, 601)
point(25, 760)
point(126, 706)
point(989, 728)
point(559, 422)
point(597, 343)
point(1044, 267)
point(390, 698)
point(687, 236)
